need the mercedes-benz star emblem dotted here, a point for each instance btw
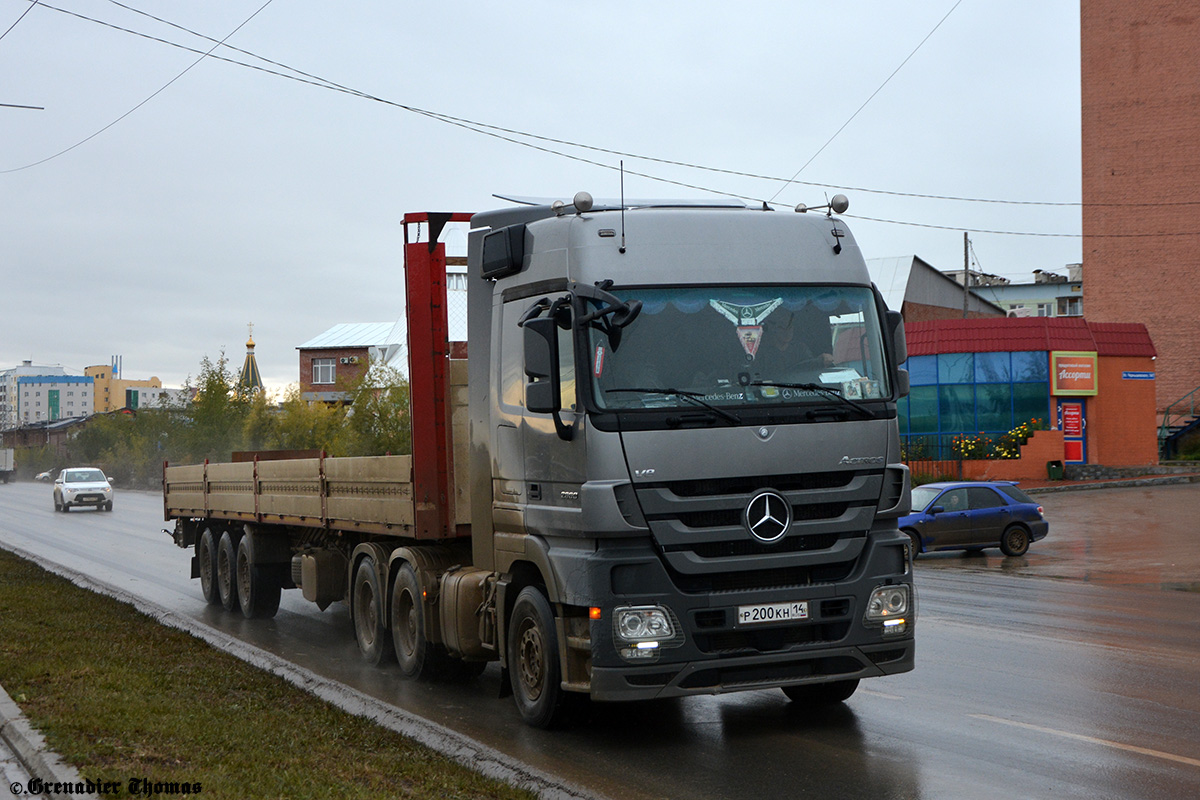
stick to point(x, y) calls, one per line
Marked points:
point(768, 516)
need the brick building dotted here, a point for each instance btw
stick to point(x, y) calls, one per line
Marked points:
point(344, 353)
point(1141, 177)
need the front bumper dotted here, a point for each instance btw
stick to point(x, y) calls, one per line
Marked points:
point(712, 654)
point(763, 671)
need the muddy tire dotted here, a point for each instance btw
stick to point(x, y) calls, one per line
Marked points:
point(370, 626)
point(821, 694)
point(533, 666)
point(1015, 541)
point(259, 585)
point(206, 557)
point(227, 571)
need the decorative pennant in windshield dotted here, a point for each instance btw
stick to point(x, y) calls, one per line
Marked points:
point(748, 319)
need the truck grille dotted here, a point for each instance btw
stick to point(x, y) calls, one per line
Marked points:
point(699, 527)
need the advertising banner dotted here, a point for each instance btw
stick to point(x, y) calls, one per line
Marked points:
point(1073, 374)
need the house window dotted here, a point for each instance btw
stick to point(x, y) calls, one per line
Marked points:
point(1070, 306)
point(1045, 309)
point(323, 370)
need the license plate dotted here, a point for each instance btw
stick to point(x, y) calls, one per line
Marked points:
point(771, 612)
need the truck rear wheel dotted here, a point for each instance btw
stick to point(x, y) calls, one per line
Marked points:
point(206, 557)
point(227, 571)
point(533, 666)
point(374, 638)
point(414, 651)
point(259, 585)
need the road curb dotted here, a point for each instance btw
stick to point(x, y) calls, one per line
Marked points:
point(460, 748)
point(30, 748)
point(1118, 483)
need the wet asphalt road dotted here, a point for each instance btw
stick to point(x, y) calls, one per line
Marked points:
point(1069, 672)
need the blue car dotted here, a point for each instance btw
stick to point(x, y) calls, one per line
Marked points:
point(972, 516)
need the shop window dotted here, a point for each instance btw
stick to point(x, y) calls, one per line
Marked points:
point(1030, 401)
point(1030, 365)
point(922, 370)
point(923, 409)
point(995, 402)
point(957, 404)
point(956, 368)
point(993, 367)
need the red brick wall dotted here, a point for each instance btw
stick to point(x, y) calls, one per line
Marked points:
point(1121, 420)
point(1141, 154)
point(344, 372)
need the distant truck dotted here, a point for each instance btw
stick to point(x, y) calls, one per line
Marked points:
point(8, 466)
point(668, 464)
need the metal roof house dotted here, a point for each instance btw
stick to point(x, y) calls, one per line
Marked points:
point(345, 352)
point(920, 292)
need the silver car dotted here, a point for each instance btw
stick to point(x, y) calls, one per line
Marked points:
point(82, 486)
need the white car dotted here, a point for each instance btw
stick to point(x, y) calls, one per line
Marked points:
point(45, 477)
point(82, 486)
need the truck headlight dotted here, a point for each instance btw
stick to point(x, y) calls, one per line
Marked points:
point(643, 624)
point(887, 602)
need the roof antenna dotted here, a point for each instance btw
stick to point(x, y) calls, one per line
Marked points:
point(622, 248)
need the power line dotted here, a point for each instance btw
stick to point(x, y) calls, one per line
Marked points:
point(147, 100)
point(516, 137)
point(868, 100)
point(1023, 233)
point(507, 133)
point(23, 13)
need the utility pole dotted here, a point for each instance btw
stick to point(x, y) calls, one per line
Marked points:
point(966, 273)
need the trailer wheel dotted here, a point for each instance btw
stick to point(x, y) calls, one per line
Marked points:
point(258, 585)
point(206, 556)
point(374, 638)
point(227, 571)
point(533, 660)
point(821, 694)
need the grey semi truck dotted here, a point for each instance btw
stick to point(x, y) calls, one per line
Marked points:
point(666, 462)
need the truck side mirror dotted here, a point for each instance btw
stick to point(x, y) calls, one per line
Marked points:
point(542, 395)
point(895, 324)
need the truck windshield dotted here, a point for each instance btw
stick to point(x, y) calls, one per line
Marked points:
point(741, 346)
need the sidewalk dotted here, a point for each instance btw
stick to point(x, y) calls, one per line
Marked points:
point(1047, 486)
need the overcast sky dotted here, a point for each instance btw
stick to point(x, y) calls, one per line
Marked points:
point(234, 196)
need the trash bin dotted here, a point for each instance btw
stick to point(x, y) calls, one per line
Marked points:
point(1055, 470)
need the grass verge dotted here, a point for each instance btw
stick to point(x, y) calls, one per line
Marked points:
point(120, 697)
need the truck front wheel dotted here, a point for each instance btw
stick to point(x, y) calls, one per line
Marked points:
point(533, 660)
point(374, 638)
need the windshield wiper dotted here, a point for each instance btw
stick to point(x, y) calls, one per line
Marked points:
point(825, 390)
point(683, 394)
